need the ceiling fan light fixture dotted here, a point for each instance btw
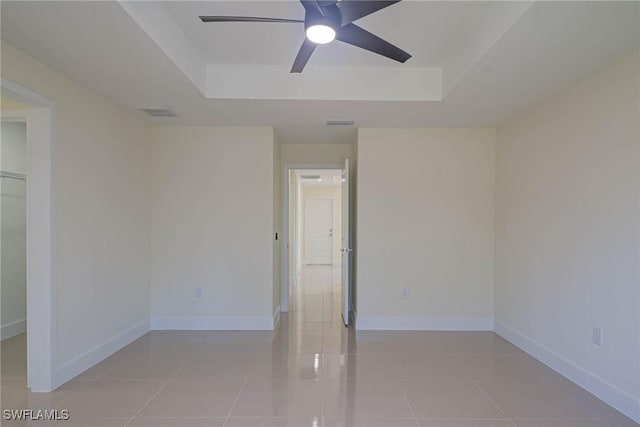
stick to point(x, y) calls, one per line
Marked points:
point(328, 20)
point(321, 33)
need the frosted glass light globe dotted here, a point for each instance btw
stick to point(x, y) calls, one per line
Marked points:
point(321, 34)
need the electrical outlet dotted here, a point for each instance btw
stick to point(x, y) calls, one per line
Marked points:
point(405, 293)
point(597, 335)
point(198, 292)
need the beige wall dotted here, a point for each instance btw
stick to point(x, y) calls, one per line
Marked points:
point(101, 200)
point(425, 221)
point(316, 153)
point(567, 231)
point(292, 229)
point(277, 213)
point(212, 227)
point(8, 104)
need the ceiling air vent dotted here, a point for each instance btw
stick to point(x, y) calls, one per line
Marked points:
point(158, 111)
point(315, 177)
point(339, 122)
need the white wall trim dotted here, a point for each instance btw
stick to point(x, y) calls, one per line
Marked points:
point(13, 328)
point(25, 95)
point(620, 400)
point(190, 323)
point(86, 360)
point(372, 323)
point(276, 317)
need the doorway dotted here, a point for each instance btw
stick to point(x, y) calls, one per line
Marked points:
point(19, 104)
point(13, 244)
point(316, 205)
point(316, 289)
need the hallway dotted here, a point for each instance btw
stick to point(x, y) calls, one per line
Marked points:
point(319, 291)
point(312, 372)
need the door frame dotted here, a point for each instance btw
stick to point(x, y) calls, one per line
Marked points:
point(284, 249)
point(41, 319)
point(333, 226)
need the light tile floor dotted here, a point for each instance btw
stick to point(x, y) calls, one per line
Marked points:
point(312, 372)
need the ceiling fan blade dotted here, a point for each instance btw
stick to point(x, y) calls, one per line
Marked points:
point(352, 10)
point(326, 3)
point(312, 7)
point(357, 36)
point(303, 55)
point(246, 19)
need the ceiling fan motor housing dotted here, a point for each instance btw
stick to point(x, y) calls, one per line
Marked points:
point(331, 18)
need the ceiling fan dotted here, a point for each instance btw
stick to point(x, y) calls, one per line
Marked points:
point(328, 20)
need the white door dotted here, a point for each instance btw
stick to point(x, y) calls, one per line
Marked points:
point(345, 247)
point(318, 231)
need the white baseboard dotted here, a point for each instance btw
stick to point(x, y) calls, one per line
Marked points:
point(12, 329)
point(187, 323)
point(371, 323)
point(81, 363)
point(620, 400)
point(276, 318)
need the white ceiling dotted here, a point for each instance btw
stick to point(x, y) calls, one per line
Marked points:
point(496, 57)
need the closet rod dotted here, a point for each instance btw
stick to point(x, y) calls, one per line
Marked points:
point(13, 175)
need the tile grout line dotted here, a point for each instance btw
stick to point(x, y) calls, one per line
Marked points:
point(323, 377)
point(406, 398)
point(494, 402)
point(99, 377)
point(477, 384)
point(161, 388)
point(235, 401)
point(244, 384)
